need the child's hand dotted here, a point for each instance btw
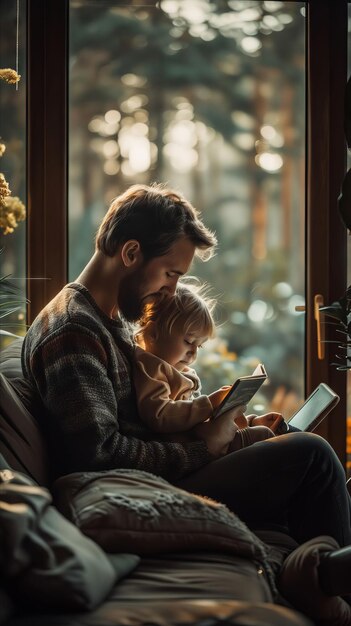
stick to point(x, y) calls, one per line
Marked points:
point(241, 419)
point(217, 396)
point(272, 420)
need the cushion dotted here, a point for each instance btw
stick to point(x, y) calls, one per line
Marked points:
point(299, 584)
point(138, 512)
point(199, 612)
point(21, 442)
point(10, 359)
point(45, 561)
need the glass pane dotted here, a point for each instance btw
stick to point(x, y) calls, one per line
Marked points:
point(208, 97)
point(13, 168)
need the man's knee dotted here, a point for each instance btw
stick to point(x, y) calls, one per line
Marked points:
point(307, 440)
point(313, 446)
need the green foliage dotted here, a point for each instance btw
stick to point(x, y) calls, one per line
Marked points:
point(344, 200)
point(340, 310)
point(10, 300)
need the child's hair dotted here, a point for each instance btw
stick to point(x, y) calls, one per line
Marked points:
point(190, 304)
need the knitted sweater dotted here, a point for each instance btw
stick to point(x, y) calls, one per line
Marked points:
point(79, 361)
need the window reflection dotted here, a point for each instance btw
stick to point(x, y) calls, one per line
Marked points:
point(208, 97)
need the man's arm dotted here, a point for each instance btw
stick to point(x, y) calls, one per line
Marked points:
point(80, 385)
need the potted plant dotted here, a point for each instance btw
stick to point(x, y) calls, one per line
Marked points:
point(340, 311)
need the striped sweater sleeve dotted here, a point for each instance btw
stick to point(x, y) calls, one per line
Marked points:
point(70, 369)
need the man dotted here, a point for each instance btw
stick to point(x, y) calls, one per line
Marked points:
point(77, 354)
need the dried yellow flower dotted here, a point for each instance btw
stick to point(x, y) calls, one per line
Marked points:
point(12, 211)
point(4, 188)
point(17, 207)
point(9, 76)
point(2, 149)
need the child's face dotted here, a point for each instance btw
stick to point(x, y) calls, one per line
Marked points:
point(177, 347)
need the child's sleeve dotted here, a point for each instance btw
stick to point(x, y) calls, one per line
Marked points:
point(245, 437)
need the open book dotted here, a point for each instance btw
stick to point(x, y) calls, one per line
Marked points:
point(242, 390)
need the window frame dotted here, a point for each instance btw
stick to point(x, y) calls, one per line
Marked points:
point(326, 257)
point(47, 112)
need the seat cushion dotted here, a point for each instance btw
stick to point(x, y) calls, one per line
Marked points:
point(10, 359)
point(180, 613)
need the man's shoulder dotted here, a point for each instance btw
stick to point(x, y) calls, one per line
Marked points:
point(68, 309)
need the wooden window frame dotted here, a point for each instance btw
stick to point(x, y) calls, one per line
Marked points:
point(326, 271)
point(47, 50)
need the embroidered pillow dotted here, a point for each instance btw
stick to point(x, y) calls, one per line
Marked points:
point(129, 510)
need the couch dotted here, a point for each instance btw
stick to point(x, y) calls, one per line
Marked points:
point(127, 548)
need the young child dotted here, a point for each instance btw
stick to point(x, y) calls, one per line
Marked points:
point(168, 390)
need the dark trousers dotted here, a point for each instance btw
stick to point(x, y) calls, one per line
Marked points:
point(294, 480)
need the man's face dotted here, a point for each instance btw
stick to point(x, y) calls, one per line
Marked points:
point(156, 278)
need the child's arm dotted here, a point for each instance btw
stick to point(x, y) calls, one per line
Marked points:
point(245, 437)
point(257, 428)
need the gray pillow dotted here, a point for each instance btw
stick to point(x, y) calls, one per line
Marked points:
point(10, 359)
point(45, 561)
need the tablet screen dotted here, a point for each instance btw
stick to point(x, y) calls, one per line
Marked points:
point(315, 409)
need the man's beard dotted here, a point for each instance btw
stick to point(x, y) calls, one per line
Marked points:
point(130, 300)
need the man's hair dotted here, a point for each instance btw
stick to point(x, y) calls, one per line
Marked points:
point(156, 217)
point(190, 305)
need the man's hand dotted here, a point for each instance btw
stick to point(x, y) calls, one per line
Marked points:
point(219, 433)
point(272, 420)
